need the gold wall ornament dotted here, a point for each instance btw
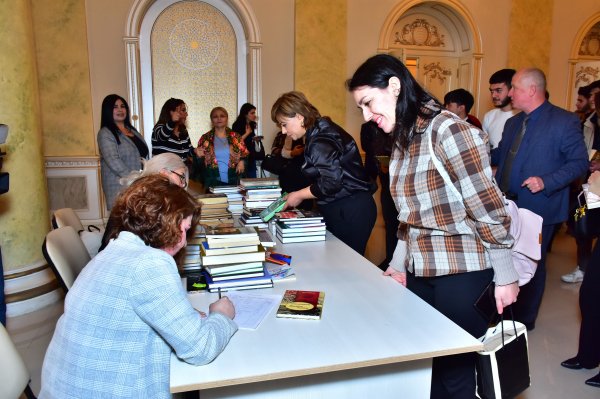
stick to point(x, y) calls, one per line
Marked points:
point(194, 44)
point(586, 75)
point(590, 45)
point(435, 71)
point(420, 33)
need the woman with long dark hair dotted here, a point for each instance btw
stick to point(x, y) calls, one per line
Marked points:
point(122, 147)
point(447, 252)
point(170, 133)
point(245, 126)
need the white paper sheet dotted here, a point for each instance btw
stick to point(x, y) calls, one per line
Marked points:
point(252, 307)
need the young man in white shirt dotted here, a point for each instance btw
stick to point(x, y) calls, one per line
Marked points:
point(493, 121)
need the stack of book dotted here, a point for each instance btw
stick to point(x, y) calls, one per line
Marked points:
point(251, 218)
point(188, 259)
point(234, 198)
point(300, 226)
point(233, 259)
point(214, 209)
point(259, 193)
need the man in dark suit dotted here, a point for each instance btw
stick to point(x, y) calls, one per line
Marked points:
point(540, 154)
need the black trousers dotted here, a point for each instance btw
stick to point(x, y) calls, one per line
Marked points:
point(454, 296)
point(589, 303)
point(351, 219)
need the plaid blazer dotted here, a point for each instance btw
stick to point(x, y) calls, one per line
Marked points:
point(116, 161)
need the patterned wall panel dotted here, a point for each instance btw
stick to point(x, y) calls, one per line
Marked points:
point(194, 58)
point(73, 182)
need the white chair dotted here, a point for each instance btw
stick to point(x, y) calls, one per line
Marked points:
point(14, 378)
point(92, 237)
point(67, 217)
point(66, 254)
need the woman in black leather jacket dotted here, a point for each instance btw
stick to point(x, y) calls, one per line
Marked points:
point(333, 166)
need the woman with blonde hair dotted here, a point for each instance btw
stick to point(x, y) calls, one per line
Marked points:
point(334, 168)
point(223, 152)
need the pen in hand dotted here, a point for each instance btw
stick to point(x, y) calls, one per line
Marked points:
point(219, 293)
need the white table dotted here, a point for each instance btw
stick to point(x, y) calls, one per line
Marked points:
point(375, 339)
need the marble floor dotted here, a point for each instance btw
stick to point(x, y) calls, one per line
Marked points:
point(553, 340)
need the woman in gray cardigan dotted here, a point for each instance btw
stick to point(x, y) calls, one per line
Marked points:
point(121, 146)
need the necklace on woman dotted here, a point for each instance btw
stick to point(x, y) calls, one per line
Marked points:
point(126, 131)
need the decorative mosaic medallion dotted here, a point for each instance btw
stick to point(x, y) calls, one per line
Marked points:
point(194, 44)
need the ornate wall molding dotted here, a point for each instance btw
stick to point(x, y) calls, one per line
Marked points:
point(420, 33)
point(387, 30)
point(586, 75)
point(576, 58)
point(461, 36)
point(590, 44)
point(83, 162)
point(435, 71)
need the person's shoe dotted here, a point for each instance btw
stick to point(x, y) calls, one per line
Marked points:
point(594, 381)
point(576, 276)
point(572, 363)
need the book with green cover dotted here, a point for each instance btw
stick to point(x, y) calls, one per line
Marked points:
point(298, 304)
point(272, 209)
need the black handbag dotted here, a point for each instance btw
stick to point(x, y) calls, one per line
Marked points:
point(503, 366)
point(586, 221)
point(274, 164)
point(258, 151)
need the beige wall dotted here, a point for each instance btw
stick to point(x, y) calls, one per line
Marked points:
point(321, 70)
point(276, 20)
point(105, 30)
point(63, 77)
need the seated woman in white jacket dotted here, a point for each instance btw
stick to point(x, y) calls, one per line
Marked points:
point(128, 311)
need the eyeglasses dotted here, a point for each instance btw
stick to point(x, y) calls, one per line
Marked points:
point(182, 178)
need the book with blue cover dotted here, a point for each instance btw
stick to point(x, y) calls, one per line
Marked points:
point(247, 282)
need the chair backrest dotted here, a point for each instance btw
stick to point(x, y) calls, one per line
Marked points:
point(65, 253)
point(67, 217)
point(14, 378)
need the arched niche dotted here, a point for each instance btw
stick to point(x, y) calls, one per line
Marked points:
point(439, 43)
point(584, 61)
point(138, 28)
